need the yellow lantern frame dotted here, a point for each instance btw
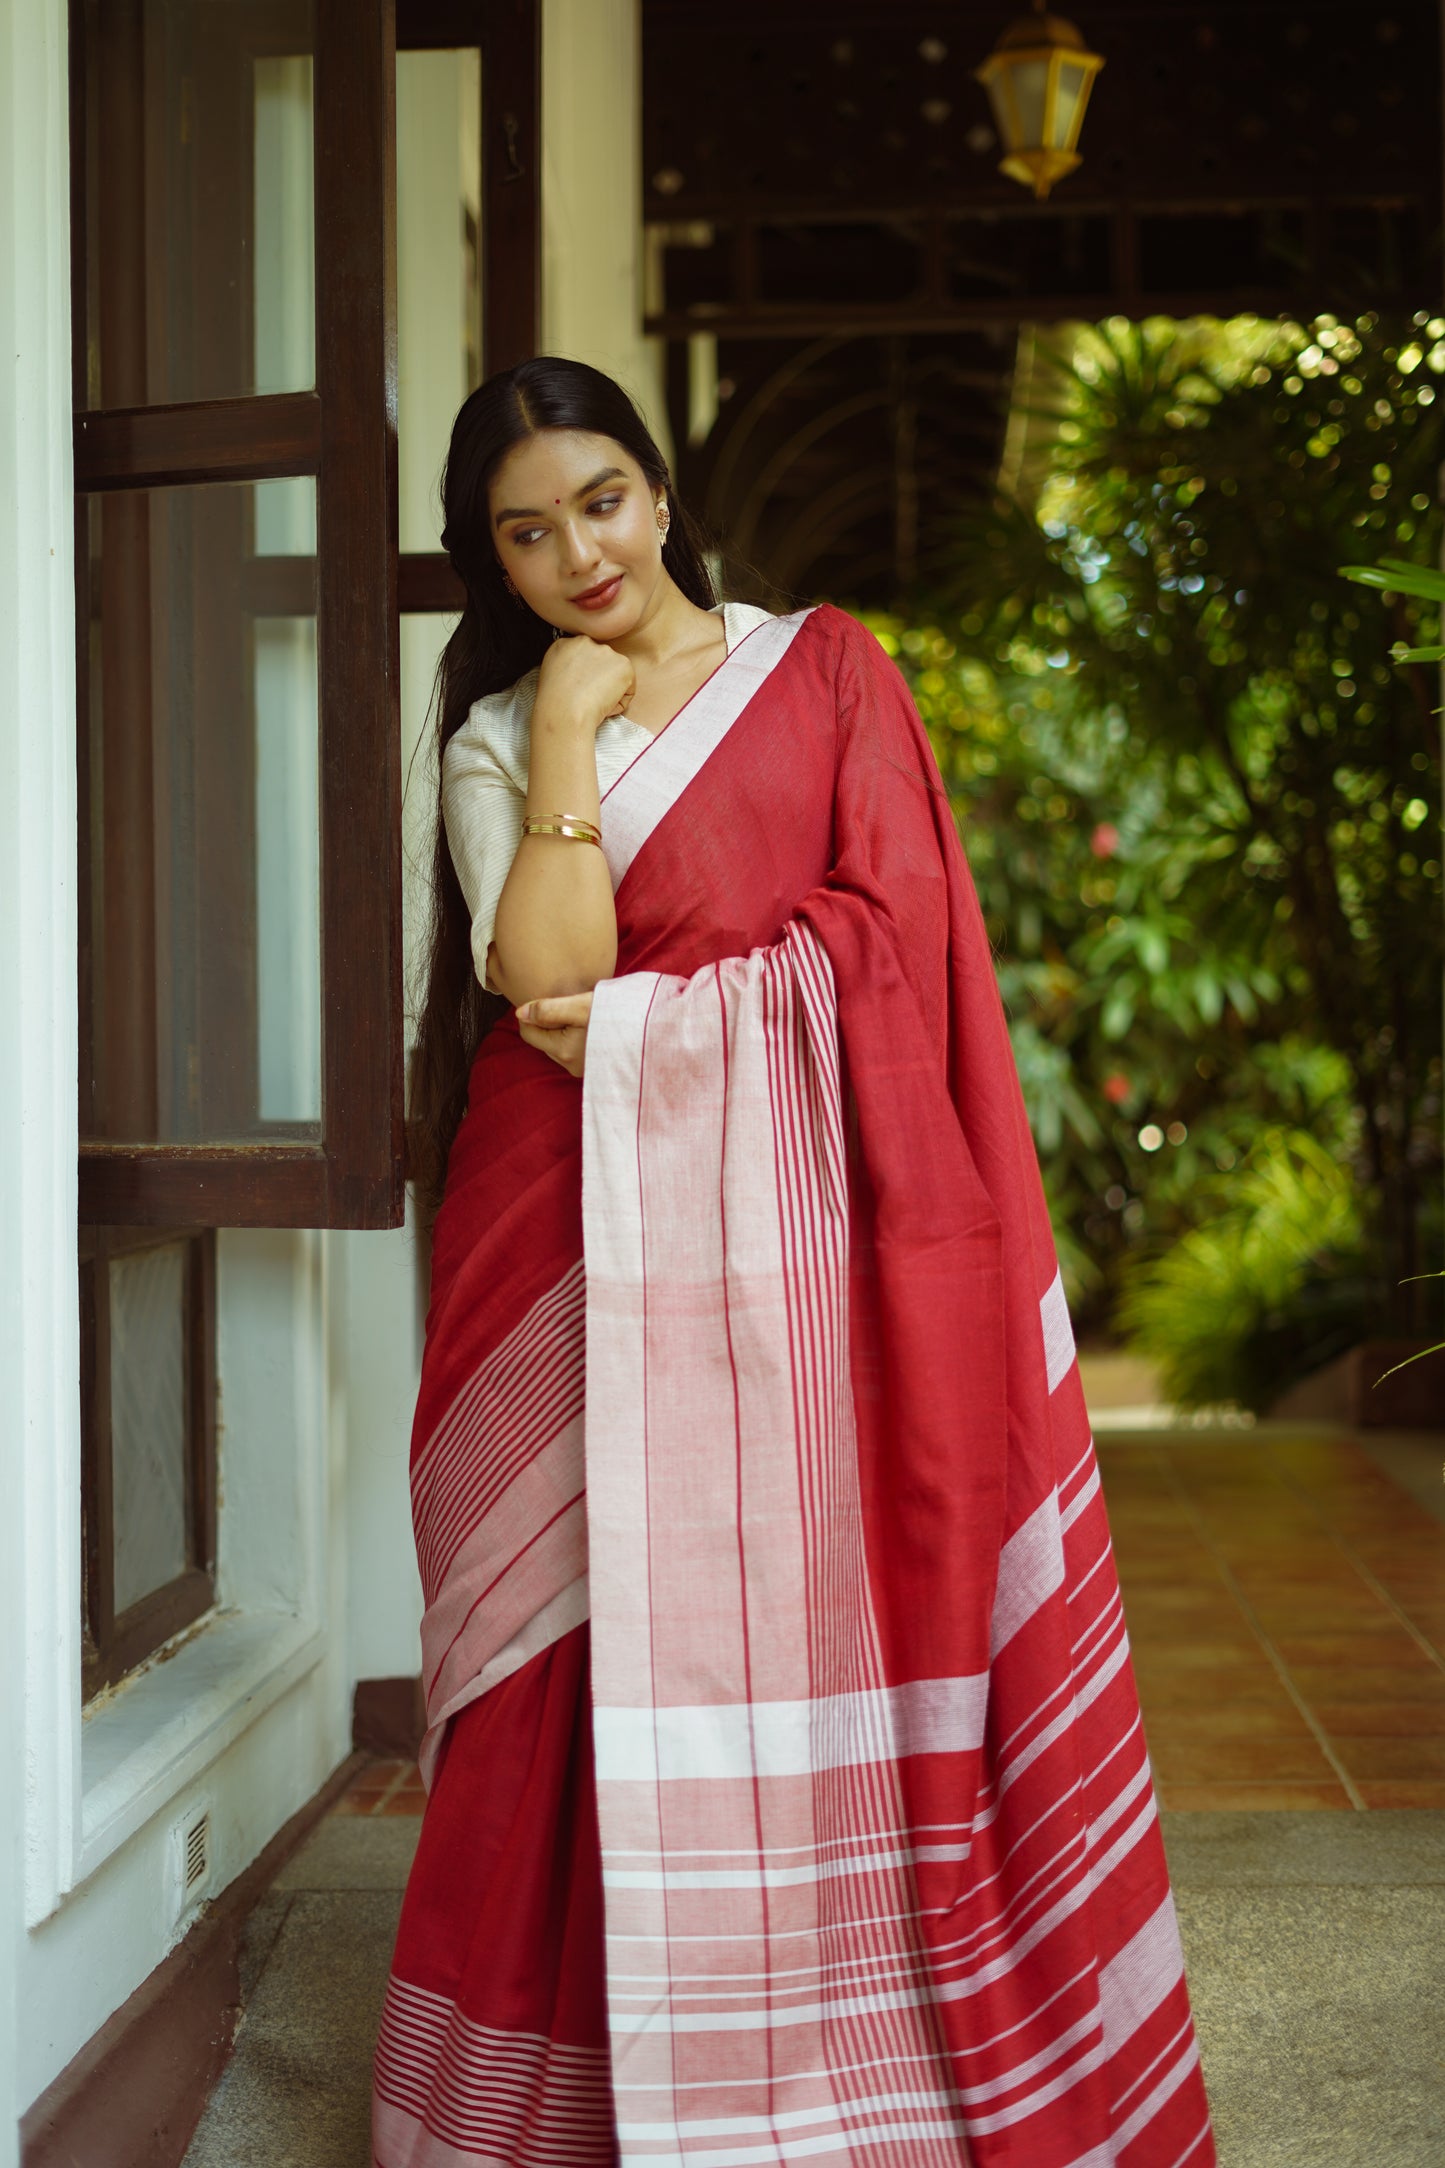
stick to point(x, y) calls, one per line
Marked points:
point(1055, 43)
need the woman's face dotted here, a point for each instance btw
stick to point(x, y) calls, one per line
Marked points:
point(574, 520)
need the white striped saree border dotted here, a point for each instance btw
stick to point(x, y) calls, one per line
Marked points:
point(498, 1506)
point(450, 2093)
point(747, 1741)
point(652, 785)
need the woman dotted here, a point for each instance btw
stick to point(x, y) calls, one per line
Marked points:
point(788, 1793)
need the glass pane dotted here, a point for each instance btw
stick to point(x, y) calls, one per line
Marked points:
point(199, 242)
point(1072, 78)
point(438, 270)
point(1029, 79)
point(203, 788)
point(148, 1419)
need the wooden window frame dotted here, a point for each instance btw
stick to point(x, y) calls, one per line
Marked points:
point(343, 434)
point(508, 34)
point(114, 1644)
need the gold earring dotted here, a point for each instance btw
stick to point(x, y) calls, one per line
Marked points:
point(664, 520)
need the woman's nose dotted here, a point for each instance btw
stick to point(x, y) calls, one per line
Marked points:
point(579, 549)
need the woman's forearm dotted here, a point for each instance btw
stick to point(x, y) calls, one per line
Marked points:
point(556, 929)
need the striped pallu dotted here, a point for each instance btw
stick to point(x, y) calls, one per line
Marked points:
point(879, 1851)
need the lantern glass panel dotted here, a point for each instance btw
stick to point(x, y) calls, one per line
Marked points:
point(1030, 82)
point(1068, 100)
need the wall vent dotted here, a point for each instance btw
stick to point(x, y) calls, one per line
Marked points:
point(198, 1853)
point(191, 1858)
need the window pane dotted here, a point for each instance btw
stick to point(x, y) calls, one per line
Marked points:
point(148, 1419)
point(204, 805)
point(438, 270)
point(200, 271)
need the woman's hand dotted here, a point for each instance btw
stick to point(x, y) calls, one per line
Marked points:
point(583, 679)
point(558, 1026)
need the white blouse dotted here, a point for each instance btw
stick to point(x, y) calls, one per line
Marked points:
point(484, 782)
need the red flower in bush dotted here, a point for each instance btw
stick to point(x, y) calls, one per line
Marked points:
point(1117, 1088)
point(1105, 840)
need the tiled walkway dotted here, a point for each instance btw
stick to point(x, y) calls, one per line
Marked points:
point(384, 1787)
point(1286, 1605)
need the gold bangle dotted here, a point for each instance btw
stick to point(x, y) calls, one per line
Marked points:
point(571, 825)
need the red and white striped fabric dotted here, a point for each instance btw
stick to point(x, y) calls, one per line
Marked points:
point(879, 1858)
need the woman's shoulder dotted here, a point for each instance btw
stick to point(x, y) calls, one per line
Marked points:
point(848, 648)
point(495, 730)
point(846, 634)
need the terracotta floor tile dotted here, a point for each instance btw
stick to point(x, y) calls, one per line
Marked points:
point(1368, 1682)
point(1151, 1632)
point(1315, 1593)
point(1203, 1667)
point(1178, 1599)
point(1381, 1719)
point(1274, 1798)
point(1325, 1622)
point(1230, 1761)
point(1240, 1685)
point(1393, 1757)
point(1167, 1580)
point(349, 1803)
point(1207, 1719)
point(1375, 1651)
point(1400, 1792)
point(404, 1802)
point(1429, 1620)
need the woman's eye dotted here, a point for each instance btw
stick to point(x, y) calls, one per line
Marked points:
point(605, 504)
point(525, 535)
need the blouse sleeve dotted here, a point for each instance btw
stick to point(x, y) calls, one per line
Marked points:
point(482, 808)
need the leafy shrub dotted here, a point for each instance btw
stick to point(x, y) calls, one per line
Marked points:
point(1200, 800)
point(1262, 1292)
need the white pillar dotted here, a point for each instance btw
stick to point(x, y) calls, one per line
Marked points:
point(39, 1334)
point(592, 280)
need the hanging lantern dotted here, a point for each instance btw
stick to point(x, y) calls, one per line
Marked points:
point(1038, 78)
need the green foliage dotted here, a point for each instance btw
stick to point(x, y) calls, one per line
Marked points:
point(1199, 775)
point(1396, 575)
point(1136, 988)
point(1261, 1292)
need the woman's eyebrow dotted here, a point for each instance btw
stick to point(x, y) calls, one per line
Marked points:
point(608, 474)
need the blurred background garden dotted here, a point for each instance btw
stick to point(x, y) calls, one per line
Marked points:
point(1200, 791)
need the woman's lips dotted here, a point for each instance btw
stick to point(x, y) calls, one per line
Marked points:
point(598, 598)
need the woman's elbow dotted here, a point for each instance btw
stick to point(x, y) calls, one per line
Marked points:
point(540, 978)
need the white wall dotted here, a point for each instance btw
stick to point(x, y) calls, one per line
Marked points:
point(592, 267)
point(39, 1355)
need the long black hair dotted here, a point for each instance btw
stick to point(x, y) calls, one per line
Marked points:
point(497, 641)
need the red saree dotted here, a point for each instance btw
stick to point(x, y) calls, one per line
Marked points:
point(849, 1851)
